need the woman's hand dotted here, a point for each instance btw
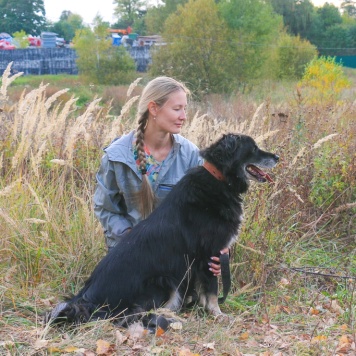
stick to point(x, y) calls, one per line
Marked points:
point(215, 267)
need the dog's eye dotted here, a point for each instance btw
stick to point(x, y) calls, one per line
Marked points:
point(255, 148)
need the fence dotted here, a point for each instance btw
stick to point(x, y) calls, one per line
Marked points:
point(59, 60)
point(347, 61)
point(40, 60)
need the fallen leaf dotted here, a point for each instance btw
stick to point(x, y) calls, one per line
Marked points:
point(319, 338)
point(244, 336)
point(159, 331)
point(344, 327)
point(120, 338)
point(345, 339)
point(313, 311)
point(344, 348)
point(52, 350)
point(285, 309)
point(186, 352)
point(71, 349)
point(344, 344)
point(104, 348)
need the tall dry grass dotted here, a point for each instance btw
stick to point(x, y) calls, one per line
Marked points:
point(49, 156)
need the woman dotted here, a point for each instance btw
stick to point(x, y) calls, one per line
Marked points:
point(139, 169)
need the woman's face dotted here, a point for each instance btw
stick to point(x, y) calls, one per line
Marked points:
point(171, 115)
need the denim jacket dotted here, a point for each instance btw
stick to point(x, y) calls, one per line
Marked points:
point(118, 178)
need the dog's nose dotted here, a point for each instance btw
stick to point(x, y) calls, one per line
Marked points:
point(276, 157)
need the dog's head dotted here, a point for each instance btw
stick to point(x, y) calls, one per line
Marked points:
point(239, 159)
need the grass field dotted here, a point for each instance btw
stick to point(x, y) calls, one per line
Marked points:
point(294, 266)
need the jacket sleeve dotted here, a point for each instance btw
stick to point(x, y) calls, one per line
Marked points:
point(109, 203)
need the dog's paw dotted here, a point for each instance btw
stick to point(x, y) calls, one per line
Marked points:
point(58, 313)
point(222, 318)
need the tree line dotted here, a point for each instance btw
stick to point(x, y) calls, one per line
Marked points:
point(218, 45)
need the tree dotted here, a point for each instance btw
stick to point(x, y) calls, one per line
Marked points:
point(157, 15)
point(254, 29)
point(339, 40)
point(100, 62)
point(297, 15)
point(292, 56)
point(128, 11)
point(349, 7)
point(329, 15)
point(67, 25)
point(197, 48)
point(26, 15)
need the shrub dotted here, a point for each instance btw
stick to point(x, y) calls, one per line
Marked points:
point(326, 78)
point(293, 55)
point(20, 39)
point(331, 174)
point(100, 62)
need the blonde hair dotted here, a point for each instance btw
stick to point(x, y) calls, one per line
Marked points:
point(157, 90)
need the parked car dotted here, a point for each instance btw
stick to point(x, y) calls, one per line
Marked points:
point(6, 45)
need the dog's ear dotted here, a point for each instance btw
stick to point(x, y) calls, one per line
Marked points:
point(226, 155)
point(222, 151)
point(231, 142)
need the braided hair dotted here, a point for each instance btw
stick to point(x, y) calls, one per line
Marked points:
point(157, 90)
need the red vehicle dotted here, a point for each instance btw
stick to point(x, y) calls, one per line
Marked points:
point(34, 41)
point(6, 45)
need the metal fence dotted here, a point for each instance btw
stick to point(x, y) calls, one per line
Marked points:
point(38, 61)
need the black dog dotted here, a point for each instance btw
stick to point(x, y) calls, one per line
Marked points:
point(165, 257)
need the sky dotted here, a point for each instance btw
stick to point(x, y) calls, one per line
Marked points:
point(85, 8)
point(89, 8)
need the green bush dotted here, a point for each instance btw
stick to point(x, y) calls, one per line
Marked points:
point(293, 55)
point(331, 174)
point(100, 62)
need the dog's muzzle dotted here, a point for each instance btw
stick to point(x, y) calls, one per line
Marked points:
point(258, 174)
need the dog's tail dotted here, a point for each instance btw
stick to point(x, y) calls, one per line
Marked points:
point(70, 312)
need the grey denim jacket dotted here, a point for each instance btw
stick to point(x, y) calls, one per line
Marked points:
point(118, 178)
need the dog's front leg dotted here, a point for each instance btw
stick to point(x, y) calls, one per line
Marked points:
point(208, 298)
point(175, 301)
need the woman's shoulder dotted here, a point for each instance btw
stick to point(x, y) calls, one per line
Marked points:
point(119, 148)
point(185, 143)
point(187, 151)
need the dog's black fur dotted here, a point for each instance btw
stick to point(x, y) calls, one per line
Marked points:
point(165, 257)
